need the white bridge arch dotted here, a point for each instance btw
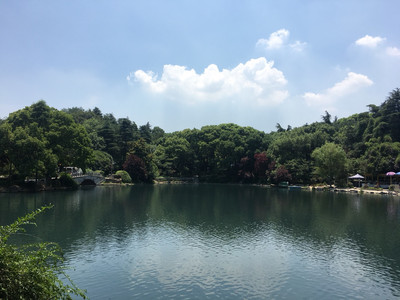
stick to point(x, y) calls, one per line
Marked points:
point(95, 178)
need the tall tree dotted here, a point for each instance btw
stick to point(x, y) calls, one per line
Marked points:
point(330, 163)
point(145, 132)
point(327, 118)
point(140, 152)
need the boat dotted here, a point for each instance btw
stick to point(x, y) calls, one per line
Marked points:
point(283, 184)
point(294, 188)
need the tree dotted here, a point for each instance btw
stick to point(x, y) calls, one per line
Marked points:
point(157, 134)
point(246, 168)
point(124, 176)
point(109, 134)
point(28, 153)
point(93, 127)
point(136, 168)
point(101, 161)
point(261, 163)
point(39, 137)
point(279, 128)
point(380, 157)
point(327, 118)
point(330, 162)
point(390, 110)
point(145, 132)
point(281, 174)
point(41, 113)
point(140, 159)
point(177, 156)
point(127, 133)
point(6, 141)
point(69, 141)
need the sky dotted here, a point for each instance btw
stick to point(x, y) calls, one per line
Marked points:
point(181, 64)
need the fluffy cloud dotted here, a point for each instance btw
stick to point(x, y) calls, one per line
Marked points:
point(349, 85)
point(393, 51)
point(255, 81)
point(370, 41)
point(278, 39)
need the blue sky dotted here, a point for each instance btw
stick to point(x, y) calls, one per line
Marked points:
point(185, 64)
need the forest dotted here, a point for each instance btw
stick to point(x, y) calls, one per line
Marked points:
point(38, 141)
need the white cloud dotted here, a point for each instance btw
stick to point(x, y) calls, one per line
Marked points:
point(352, 83)
point(370, 41)
point(276, 40)
point(393, 51)
point(255, 81)
point(298, 46)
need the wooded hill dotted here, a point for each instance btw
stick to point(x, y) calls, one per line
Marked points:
point(37, 141)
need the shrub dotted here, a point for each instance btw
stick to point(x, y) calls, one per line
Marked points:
point(31, 271)
point(124, 176)
point(350, 185)
point(67, 181)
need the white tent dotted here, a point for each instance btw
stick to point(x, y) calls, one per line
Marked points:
point(357, 176)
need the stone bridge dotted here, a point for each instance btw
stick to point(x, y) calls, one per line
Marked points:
point(88, 179)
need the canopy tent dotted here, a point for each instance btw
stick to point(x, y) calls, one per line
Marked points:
point(357, 176)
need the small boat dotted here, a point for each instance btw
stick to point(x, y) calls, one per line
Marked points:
point(283, 184)
point(294, 188)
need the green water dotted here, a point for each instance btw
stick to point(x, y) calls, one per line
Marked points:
point(220, 241)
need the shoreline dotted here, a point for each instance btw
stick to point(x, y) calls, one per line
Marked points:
point(360, 191)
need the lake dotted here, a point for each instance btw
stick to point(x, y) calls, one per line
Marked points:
point(220, 241)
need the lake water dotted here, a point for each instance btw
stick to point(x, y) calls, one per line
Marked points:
point(220, 241)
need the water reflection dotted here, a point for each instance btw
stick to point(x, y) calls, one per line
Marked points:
point(209, 241)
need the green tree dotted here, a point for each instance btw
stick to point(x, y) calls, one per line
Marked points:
point(327, 118)
point(6, 141)
point(69, 141)
point(40, 113)
point(101, 161)
point(110, 136)
point(145, 132)
point(38, 137)
point(390, 111)
point(330, 163)
point(28, 153)
point(124, 176)
point(93, 127)
point(381, 157)
point(128, 132)
point(157, 134)
point(175, 156)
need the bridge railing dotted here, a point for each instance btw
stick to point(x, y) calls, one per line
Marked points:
point(93, 174)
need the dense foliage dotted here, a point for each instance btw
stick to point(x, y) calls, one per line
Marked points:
point(38, 139)
point(31, 271)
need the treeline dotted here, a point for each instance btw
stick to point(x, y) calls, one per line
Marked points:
point(38, 141)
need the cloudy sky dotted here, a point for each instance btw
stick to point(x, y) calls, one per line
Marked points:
point(184, 64)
